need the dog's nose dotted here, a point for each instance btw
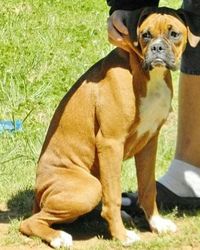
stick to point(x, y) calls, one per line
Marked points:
point(157, 47)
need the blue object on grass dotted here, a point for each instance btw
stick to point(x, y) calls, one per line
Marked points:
point(10, 126)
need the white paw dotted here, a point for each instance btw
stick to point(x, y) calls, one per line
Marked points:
point(131, 238)
point(64, 240)
point(161, 225)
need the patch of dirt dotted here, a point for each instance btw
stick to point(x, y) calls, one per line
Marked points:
point(30, 244)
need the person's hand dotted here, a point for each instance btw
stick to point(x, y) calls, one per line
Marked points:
point(117, 28)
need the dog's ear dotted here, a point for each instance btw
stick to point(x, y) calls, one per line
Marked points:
point(132, 22)
point(130, 41)
point(192, 23)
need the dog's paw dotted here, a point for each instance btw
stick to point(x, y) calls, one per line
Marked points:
point(131, 238)
point(63, 240)
point(161, 225)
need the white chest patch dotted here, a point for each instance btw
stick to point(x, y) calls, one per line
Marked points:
point(155, 106)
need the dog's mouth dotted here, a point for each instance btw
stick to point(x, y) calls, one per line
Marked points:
point(159, 62)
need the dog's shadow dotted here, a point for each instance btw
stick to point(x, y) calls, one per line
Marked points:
point(86, 227)
point(18, 206)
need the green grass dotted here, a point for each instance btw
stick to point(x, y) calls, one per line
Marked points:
point(44, 47)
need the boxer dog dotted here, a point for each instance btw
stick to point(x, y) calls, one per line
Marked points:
point(113, 112)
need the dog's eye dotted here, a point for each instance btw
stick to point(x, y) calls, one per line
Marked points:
point(174, 35)
point(146, 36)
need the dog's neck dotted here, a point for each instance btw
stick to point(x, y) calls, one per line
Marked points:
point(142, 78)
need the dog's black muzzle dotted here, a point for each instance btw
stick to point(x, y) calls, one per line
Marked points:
point(159, 54)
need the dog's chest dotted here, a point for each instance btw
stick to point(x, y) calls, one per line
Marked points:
point(154, 107)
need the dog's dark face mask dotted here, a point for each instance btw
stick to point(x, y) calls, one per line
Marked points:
point(159, 35)
point(161, 39)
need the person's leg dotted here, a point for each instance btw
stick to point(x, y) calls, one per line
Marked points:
point(183, 176)
point(188, 139)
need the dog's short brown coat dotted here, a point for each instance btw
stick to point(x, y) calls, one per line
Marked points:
point(100, 122)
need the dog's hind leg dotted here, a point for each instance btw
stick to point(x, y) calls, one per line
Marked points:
point(72, 194)
point(39, 225)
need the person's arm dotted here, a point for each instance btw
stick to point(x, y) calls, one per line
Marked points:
point(130, 4)
point(119, 13)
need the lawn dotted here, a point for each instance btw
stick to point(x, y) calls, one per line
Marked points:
point(44, 47)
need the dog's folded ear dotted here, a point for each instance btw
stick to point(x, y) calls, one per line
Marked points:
point(132, 22)
point(192, 22)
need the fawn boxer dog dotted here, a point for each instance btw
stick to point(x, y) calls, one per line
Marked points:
point(113, 112)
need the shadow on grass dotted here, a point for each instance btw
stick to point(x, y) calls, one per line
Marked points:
point(87, 226)
point(19, 206)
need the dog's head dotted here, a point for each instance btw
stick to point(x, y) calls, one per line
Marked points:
point(159, 36)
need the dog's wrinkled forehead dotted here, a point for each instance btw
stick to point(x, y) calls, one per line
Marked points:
point(151, 10)
point(188, 19)
point(140, 15)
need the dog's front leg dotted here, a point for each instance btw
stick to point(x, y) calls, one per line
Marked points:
point(110, 154)
point(145, 165)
